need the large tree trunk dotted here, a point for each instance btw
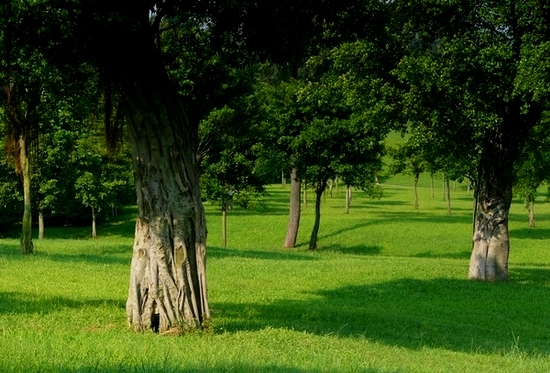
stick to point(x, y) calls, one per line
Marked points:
point(319, 189)
point(489, 259)
point(26, 233)
point(294, 214)
point(168, 272)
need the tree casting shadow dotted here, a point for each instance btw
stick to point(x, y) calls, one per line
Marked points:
point(22, 303)
point(441, 313)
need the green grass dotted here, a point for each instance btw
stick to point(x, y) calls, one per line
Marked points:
point(385, 292)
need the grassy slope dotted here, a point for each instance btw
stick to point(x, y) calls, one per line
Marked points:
point(386, 292)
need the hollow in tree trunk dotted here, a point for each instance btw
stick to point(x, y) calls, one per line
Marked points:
point(168, 272)
point(294, 214)
point(26, 232)
point(491, 243)
point(319, 189)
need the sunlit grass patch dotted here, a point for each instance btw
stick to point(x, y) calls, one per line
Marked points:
point(385, 292)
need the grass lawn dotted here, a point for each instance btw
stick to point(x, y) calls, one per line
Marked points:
point(385, 292)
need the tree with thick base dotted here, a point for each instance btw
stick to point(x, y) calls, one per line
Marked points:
point(168, 273)
point(491, 243)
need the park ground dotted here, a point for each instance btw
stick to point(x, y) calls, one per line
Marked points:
point(386, 291)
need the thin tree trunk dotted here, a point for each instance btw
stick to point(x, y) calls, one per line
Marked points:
point(531, 207)
point(283, 179)
point(26, 232)
point(432, 186)
point(94, 228)
point(348, 198)
point(448, 196)
point(304, 185)
point(167, 291)
point(416, 177)
point(40, 223)
point(224, 224)
point(319, 189)
point(295, 207)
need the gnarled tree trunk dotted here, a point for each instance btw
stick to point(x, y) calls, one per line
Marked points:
point(489, 259)
point(294, 214)
point(168, 271)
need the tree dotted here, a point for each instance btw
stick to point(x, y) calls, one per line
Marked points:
point(467, 78)
point(339, 136)
point(228, 164)
point(406, 160)
point(168, 276)
point(531, 169)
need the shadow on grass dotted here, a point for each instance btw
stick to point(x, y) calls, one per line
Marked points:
point(221, 367)
point(444, 313)
point(354, 250)
point(530, 233)
point(108, 254)
point(430, 254)
point(284, 254)
point(23, 303)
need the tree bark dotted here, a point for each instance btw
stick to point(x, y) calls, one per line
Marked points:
point(94, 229)
point(416, 177)
point(294, 214)
point(491, 243)
point(40, 223)
point(531, 207)
point(26, 232)
point(348, 198)
point(283, 179)
point(319, 189)
point(168, 272)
